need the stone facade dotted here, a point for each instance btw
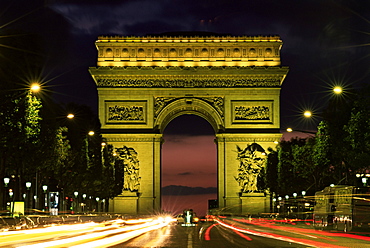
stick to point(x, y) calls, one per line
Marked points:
point(145, 82)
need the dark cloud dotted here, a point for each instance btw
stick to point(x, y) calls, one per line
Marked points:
point(185, 174)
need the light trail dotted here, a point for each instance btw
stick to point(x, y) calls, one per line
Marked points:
point(14, 237)
point(121, 238)
point(279, 237)
point(98, 238)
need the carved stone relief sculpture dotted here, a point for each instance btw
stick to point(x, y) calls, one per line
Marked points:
point(252, 160)
point(131, 167)
point(126, 112)
point(252, 113)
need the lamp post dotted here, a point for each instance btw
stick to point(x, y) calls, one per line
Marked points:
point(84, 202)
point(45, 188)
point(28, 198)
point(76, 200)
point(6, 183)
point(98, 205)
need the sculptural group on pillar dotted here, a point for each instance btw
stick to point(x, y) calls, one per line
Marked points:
point(131, 166)
point(252, 161)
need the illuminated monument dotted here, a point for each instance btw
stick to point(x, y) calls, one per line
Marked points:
point(232, 82)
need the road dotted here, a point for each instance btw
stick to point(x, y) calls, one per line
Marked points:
point(161, 232)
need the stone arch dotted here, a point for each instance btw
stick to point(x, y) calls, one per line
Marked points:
point(204, 52)
point(173, 52)
point(140, 52)
point(220, 52)
point(188, 52)
point(109, 52)
point(189, 106)
point(125, 52)
point(157, 52)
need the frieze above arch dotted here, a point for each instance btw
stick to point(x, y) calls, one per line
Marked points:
point(189, 81)
point(217, 102)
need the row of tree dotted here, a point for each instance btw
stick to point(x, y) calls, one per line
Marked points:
point(338, 152)
point(38, 144)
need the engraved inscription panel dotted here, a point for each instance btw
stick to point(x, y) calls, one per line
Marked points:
point(126, 112)
point(251, 112)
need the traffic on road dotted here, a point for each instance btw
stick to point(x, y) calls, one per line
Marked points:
point(167, 231)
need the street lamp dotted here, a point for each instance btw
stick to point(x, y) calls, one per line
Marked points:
point(307, 114)
point(76, 200)
point(70, 116)
point(338, 90)
point(45, 188)
point(6, 181)
point(35, 87)
point(28, 185)
point(91, 133)
point(97, 202)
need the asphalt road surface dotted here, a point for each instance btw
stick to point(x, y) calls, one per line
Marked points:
point(159, 232)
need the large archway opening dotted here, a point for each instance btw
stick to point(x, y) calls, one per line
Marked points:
point(189, 165)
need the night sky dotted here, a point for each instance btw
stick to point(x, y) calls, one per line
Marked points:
point(325, 43)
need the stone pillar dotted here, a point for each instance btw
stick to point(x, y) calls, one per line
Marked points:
point(146, 199)
point(255, 203)
point(126, 203)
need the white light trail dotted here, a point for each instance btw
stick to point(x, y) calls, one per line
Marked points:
point(134, 231)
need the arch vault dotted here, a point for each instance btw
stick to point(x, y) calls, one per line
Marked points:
point(145, 82)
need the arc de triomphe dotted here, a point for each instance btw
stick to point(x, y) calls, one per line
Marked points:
point(232, 82)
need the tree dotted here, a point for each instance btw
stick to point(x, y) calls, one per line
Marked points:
point(358, 138)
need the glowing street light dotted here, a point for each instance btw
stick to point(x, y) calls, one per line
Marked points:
point(44, 188)
point(91, 133)
point(70, 116)
point(338, 90)
point(6, 181)
point(28, 185)
point(35, 87)
point(307, 114)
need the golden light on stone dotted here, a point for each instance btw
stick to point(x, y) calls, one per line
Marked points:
point(145, 82)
